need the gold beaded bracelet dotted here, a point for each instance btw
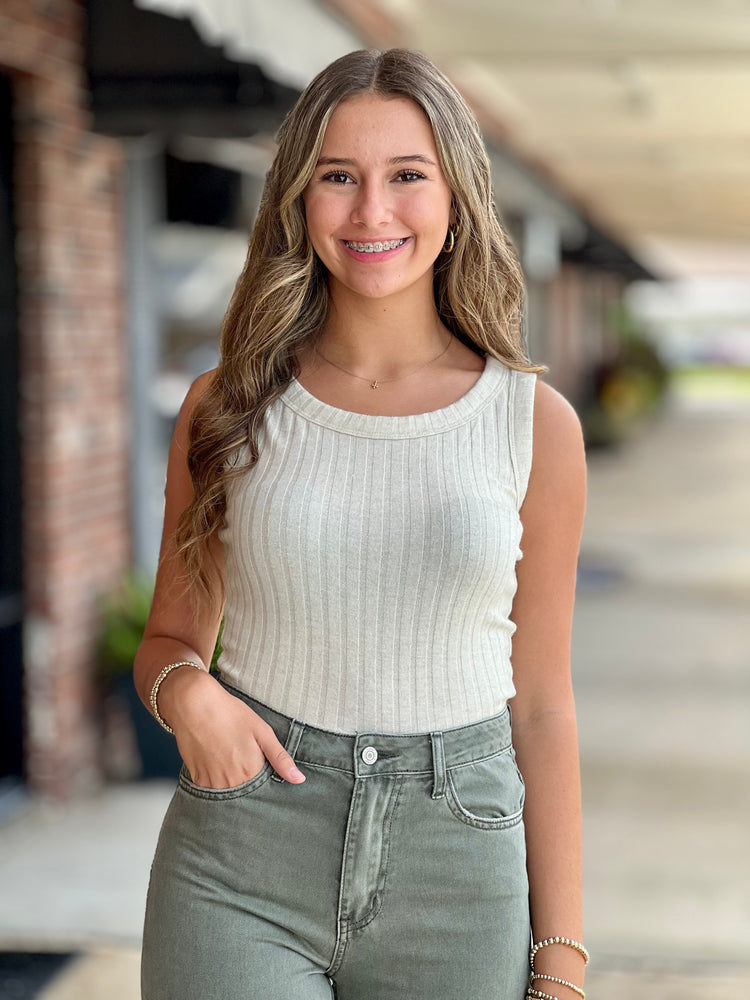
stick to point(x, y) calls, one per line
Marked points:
point(561, 982)
point(534, 994)
point(157, 684)
point(558, 940)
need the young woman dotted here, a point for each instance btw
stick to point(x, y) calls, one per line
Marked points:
point(351, 490)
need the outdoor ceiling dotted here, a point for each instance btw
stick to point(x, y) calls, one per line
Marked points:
point(638, 109)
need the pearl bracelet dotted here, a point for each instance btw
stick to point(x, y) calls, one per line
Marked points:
point(535, 994)
point(532, 994)
point(157, 684)
point(561, 982)
point(558, 940)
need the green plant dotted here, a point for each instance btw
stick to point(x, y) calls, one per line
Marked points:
point(123, 617)
point(626, 389)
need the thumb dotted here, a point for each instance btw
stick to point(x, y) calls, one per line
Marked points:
point(280, 760)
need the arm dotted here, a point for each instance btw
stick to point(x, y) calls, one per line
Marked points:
point(222, 741)
point(544, 724)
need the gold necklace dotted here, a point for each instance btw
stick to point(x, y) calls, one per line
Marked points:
point(377, 382)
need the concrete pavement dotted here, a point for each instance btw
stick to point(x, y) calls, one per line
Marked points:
point(662, 676)
point(661, 665)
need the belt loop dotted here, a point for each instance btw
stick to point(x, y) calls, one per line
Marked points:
point(296, 729)
point(438, 765)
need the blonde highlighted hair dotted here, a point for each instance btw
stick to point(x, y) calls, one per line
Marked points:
point(280, 301)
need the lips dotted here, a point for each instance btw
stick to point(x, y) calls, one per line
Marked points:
point(378, 246)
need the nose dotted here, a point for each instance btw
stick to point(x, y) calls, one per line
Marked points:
point(372, 206)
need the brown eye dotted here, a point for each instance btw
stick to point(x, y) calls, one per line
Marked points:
point(337, 177)
point(409, 176)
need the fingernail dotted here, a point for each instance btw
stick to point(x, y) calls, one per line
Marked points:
point(295, 772)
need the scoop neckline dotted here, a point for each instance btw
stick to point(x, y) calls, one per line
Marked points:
point(303, 402)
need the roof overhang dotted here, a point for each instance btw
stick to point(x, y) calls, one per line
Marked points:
point(153, 73)
point(291, 40)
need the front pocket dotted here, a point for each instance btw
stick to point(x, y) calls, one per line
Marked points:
point(217, 794)
point(487, 793)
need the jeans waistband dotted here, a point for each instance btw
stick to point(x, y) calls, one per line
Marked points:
point(370, 753)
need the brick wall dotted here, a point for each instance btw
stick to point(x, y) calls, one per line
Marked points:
point(73, 388)
point(577, 301)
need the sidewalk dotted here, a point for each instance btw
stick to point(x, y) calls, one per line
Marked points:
point(661, 651)
point(661, 655)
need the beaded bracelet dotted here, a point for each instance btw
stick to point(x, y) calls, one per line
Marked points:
point(157, 684)
point(561, 982)
point(558, 940)
point(532, 994)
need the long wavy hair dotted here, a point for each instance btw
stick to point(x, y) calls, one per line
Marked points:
point(281, 301)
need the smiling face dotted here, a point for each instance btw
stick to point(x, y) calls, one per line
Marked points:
point(378, 205)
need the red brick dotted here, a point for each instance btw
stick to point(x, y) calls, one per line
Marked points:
point(74, 416)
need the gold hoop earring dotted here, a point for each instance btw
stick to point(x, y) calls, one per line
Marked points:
point(450, 241)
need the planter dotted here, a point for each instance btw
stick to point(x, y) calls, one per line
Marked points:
point(157, 748)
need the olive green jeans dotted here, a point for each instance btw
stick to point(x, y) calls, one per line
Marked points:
point(396, 871)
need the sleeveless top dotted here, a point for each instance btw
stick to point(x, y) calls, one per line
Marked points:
point(370, 560)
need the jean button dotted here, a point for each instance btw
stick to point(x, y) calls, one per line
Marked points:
point(369, 755)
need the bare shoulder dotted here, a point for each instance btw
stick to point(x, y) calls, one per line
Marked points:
point(553, 414)
point(557, 429)
point(195, 393)
point(198, 389)
point(558, 467)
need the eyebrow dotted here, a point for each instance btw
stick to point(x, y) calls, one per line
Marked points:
point(340, 161)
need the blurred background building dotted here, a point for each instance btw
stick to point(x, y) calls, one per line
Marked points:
point(134, 140)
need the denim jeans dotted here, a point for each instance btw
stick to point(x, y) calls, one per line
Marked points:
point(397, 871)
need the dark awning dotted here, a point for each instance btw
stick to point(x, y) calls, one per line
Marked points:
point(149, 72)
point(601, 253)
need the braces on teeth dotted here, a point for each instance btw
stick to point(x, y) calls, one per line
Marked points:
point(375, 247)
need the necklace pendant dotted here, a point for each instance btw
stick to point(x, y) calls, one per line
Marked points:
point(374, 385)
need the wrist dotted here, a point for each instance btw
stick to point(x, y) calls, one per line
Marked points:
point(558, 968)
point(556, 986)
point(169, 686)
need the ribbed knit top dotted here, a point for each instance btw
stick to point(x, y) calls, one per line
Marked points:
point(370, 560)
